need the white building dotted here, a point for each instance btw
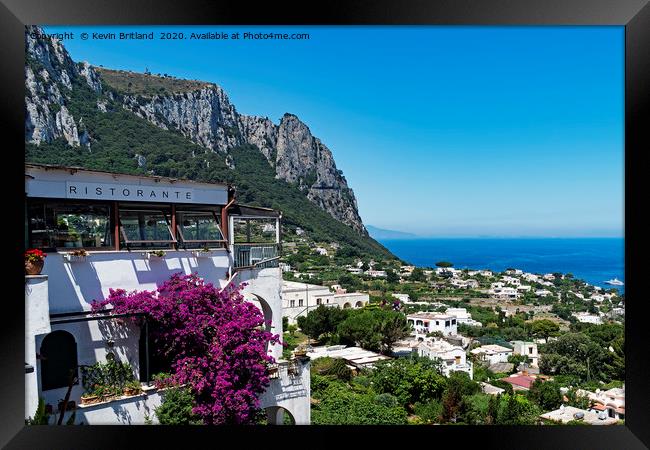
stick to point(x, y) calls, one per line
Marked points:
point(453, 357)
point(321, 251)
point(585, 317)
point(464, 284)
point(300, 298)
point(355, 357)
point(514, 272)
point(504, 293)
point(462, 316)
point(565, 414)
point(355, 270)
point(526, 348)
point(425, 322)
point(117, 219)
point(376, 273)
point(543, 293)
point(493, 353)
point(511, 281)
point(611, 401)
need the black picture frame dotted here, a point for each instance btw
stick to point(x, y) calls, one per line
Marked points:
point(634, 15)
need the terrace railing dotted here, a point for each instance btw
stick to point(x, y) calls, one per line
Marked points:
point(260, 256)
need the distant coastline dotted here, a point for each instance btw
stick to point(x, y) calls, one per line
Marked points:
point(594, 260)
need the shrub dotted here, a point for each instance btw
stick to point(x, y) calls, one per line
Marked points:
point(176, 408)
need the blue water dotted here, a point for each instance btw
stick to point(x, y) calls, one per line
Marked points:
point(593, 260)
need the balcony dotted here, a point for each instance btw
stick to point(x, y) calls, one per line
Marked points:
point(260, 256)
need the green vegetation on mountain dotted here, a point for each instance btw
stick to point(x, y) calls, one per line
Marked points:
point(134, 83)
point(119, 138)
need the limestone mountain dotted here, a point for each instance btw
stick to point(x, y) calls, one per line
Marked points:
point(77, 114)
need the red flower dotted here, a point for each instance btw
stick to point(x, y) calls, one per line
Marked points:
point(34, 255)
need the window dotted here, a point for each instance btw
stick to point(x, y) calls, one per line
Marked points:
point(453, 322)
point(259, 231)
point(145, 227)
point(67, 224)
point(319, 301)
point(199, 228)
point(446, 323)
point(58, 360)
point(300, 302)
point(530, 350)
point(292, 303)
point(457, 359)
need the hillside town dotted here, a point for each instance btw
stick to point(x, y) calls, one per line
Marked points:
point(509, 332)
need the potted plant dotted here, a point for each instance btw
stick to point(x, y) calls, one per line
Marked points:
point(132, 388)
point(88, 398)
point(155, 254)
point(203, 253)
point(76, 255)
point(34, 260)
point(300, 351)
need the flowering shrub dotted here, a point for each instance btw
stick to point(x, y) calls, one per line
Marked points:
point(214, 338)
point(34, 255)
point(79, 252)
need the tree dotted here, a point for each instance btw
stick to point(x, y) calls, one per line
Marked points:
point(418, 275)
point(374, 329)
point(459, 385)
point(546, 394)
point(391, 276)
point(176, 407)
point(214, 339)
point(544, 328)
point(517, 410)
point(411, 380)
point(340, 406)
point(444, 264)
point(321, 321)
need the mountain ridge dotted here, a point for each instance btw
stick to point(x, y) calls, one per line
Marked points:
point(73, 117)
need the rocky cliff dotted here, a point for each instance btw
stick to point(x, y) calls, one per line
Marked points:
point(201, 112)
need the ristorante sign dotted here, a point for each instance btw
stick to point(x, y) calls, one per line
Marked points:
point(134, 192)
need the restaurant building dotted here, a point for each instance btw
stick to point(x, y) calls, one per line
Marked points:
point(123, 222)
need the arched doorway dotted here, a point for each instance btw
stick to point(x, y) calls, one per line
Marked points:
point(346, 306)
point(359, 304)
point(277, 415)
point(58, 357)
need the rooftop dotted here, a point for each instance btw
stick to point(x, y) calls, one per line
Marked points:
point(566, 414)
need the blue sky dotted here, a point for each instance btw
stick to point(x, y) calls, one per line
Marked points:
point(440, 131)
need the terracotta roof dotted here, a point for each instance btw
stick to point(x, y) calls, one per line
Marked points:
point(521, 380)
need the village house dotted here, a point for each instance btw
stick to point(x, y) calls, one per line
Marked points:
point(492, 353)
point(425, 322)
point(498, 290)
point(585, 317)
point(520, 381)
point(462, 316)
point(526, 348)
point(119, 220)
point(511, 281)
point(543, 293)
point(453, 357)
point(300, 298)
point(611, 401)
point(376, 273)
point(356, 358)
point(321, 251)
point(565, 414)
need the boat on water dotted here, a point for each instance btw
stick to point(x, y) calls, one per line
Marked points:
point(615, 282)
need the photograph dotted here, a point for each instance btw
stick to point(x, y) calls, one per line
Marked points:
point(324, 225)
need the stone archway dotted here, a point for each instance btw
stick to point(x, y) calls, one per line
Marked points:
point(359, 304)
point(347, 306)
point(277, 415)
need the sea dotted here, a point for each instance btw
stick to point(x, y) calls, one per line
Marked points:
point(593, 260)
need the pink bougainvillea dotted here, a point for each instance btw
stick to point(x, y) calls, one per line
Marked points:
point(216, 341)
